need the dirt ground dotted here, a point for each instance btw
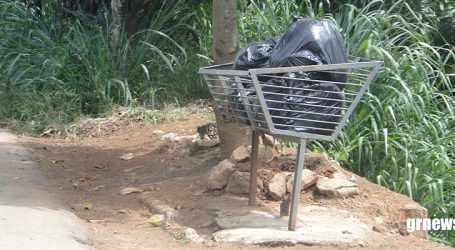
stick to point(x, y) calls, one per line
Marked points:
point(87, 174)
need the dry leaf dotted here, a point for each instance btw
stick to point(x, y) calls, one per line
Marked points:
point(87, 178)
point(128, 156)
point(97, 221)
point(130, 190)
point(198, 192)
point(99, 166)
point(97, 188)
point(58, 161)
point(131, 169)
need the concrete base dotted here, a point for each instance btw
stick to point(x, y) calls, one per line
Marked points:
point(316, 226)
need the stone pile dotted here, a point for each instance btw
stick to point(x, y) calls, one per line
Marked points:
point(325, 177)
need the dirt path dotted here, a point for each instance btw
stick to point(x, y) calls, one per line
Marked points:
point(88, 175)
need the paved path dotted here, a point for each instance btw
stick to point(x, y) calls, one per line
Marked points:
point(31, 218)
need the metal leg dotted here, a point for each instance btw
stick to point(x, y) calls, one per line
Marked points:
point(254, 168)
point(297, 185)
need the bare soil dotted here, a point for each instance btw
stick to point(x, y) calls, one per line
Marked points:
point(88, 174)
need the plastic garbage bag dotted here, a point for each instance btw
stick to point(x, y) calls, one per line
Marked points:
point(314, 107)
point(320, 37)
point(307, 102)
point(255, 55)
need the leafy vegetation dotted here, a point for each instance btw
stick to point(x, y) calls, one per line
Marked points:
point(57, 68)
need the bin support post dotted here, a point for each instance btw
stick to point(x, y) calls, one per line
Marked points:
point(295, 197)
point(254, 168)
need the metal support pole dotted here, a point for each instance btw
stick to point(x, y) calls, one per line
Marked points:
point(254, 168)
point(295, 197)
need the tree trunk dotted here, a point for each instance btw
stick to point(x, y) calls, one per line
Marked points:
point(225, 47)
point(125, 20)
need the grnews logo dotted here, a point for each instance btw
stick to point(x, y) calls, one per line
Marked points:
point(430, 224)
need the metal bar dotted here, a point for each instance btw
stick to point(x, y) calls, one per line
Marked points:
point(302, 119)
point(254, 168)
point(309, 105)
point(314, 90)
point(315, 67)
point(295, 196)
point(209, 82)
point(245, 100)
point(223, 84)
point(309, 97)
point(222, 69)
point(242, 79)
point(312, 80)
point(288, 110)
point(313, 113)
point(344, 73)
point(298, 135)
point(293, 126)
point(356, 100)
point(262, 101)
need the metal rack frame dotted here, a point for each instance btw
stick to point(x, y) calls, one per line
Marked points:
point(245, 97)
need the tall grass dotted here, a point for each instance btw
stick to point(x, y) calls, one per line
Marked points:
point(57, 67)
point(402, 134)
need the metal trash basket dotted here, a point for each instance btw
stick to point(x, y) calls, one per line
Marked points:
point(264, 100)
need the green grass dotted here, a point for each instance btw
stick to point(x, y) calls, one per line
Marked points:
point(58, 68)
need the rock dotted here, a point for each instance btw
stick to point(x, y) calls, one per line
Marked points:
point(329, 169)
point(333, 188)
point(348, 191)
point(219, 175)
point(128, 156)
point(411, 211)
point(267, 154)
point(158, 207)
point(239, 183)
point(380, 228)
point(309, 178)
point(169, 137)
point(186, 140)
point(190, 234)
point(269, 140)
point(352, 178)
point(199, 144)
point(240, 154)
point(277, 186)
point(158, 132)
point(313, 159)
point(270, 154)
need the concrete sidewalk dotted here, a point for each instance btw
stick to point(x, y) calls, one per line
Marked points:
point(31, 218)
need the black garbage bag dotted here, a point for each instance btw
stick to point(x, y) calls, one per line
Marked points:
point(313, 106)
point(274, 95)
point(320, 37)
point(302, 58)
point(255, 55)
